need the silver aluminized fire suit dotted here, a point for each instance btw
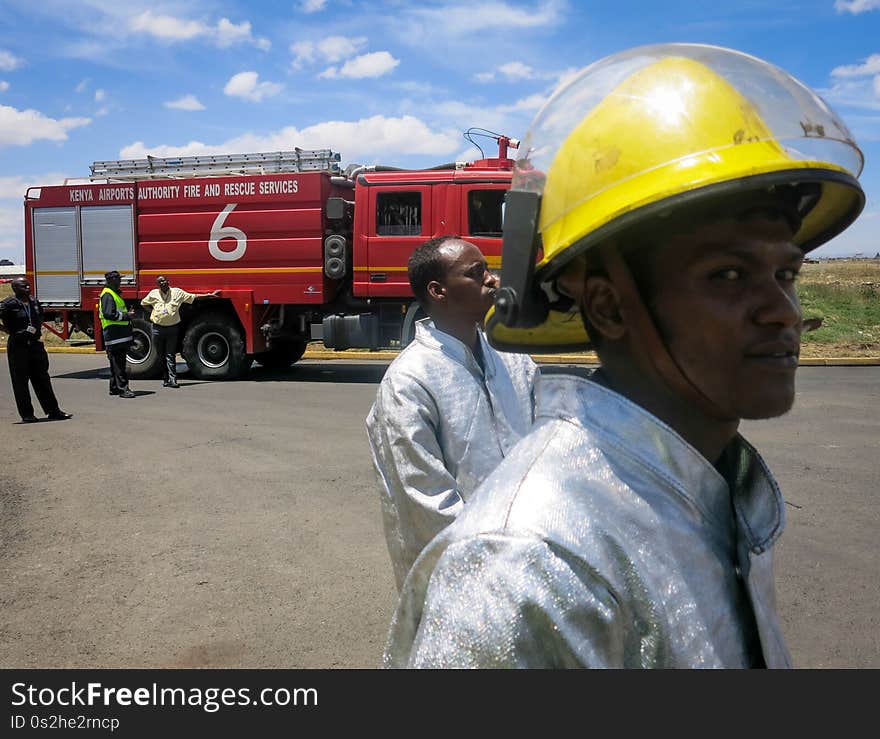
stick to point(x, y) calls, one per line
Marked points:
point(604, 540)
point(438, 428)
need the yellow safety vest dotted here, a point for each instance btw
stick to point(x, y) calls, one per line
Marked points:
point(120, 306)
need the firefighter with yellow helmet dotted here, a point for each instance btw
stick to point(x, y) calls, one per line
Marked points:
point(661, 213)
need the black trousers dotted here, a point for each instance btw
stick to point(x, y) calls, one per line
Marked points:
point(118, 372)
point(28, 362)
point(165, 341)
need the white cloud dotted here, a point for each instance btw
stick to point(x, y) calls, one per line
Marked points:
point(246, 85)
point(187, 102)
point(167, 27)
point(303, 52)
point(422, 88)
point(531, 103)
point(517, 71)
point(100, 95)
point(421, 25)
point(21, 127)
point(459, 116)
point(511, 119)
point(337, 48)
point(312, 6)
point(877, 86)
point(566, 76)
point(9, 61)
point(82, 85)
point(870, 66)
point(228, 33)
point(4, 85)
point(364, 139)
point(16, 187)
point(512, 72)
point(371, 65)
point(853, 93)
point(856, 6)
point(12, 189)
point(12, 230)
point(331, 49)
point(170, 29)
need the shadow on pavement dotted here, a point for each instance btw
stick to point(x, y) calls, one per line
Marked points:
point(182, 384)
point(91, 374)
point(368, 373)
point(103, 373)
point(344, 371)
point(139, 393)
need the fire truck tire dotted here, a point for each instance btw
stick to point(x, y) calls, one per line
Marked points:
point(282, 354)
point(214, 348)
point(144, 362)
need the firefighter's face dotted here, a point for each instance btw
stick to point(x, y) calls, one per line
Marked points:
point(725, 304)
point(468, 287)
point(21, 288)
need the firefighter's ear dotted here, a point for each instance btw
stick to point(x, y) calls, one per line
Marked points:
point(600, 302)
point(436, 291)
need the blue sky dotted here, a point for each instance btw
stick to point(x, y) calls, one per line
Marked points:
point(381, 82)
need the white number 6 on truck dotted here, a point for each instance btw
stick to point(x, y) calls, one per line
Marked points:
point(220, 232)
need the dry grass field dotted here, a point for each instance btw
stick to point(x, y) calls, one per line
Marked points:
point(844, 293)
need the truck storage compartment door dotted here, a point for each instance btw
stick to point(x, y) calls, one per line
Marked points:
point(56, 262)
point(107, 242)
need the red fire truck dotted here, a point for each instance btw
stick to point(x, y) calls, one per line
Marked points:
point(299, 248)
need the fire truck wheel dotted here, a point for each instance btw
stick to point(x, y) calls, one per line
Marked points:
point(144, 362)
point(282, 355)
point(214, 348)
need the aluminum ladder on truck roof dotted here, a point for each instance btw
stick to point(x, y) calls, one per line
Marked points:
point(298, 160)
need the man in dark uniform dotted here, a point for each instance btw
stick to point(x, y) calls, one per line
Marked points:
point(22, 317)
point(116, 330)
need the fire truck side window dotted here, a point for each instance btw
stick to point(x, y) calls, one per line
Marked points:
point(485, 212)
point(399, 214)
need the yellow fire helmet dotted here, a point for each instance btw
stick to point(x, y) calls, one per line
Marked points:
point(651, 131)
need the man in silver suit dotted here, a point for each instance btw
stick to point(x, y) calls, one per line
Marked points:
point(658, 216)
point(450, 407)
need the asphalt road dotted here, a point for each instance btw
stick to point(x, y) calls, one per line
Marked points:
point(238, 525)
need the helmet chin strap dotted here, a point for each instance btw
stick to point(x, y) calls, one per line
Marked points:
point(646, 335)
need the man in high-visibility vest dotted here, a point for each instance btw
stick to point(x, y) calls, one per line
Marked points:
point(116, 329)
